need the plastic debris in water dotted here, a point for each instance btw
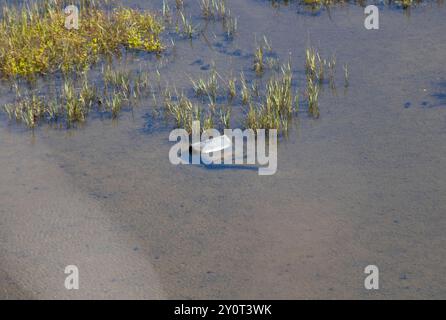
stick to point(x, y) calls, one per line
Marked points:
point(212, 145)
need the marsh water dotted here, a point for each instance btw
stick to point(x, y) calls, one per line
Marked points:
point(365, 184)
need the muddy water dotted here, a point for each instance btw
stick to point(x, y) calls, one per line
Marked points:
point(364, 184)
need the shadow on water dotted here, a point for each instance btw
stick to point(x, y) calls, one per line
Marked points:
point(228, 167)
point(438, 98)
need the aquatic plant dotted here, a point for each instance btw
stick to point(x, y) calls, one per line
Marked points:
point(251, 121)
point(141, 83)
point(229, 26)
point(225, 117)
point(332, 69)
point(208, 122)
point(232, 90)
point(321, 68)
point(179, 4)
point(279, 95)
point(188, 29)
point(346, 75)
point(76, 109)
point(213, 9)
point(296, 102)
point(181, 109)
point(77, 97)
point(255, 88)
point(34, 40)
point(88, 94)
point(246, 94)
point(272, 63)
point(317, 4)
point(72, 105)
point(316, 66)
point(310, 63)
point(28, 110)
point(114, 104)
point(313, 98)
point(276, 109)
point(207, 87)
point(405, 3)
point(258, 60)
point(119, 80)
point(264, 52)
point(166, 11)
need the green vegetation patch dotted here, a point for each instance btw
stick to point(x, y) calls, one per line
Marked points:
point(34, 40)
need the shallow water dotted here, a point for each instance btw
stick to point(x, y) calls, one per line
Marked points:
point(364, 184)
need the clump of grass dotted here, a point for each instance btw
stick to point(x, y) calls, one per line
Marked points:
point(76, 108)
point(313, 98)
point(258, 61)
point(140, 84)
point(213, 9)
point(200, 87)
point(167, 15)
point(406, 3)
point(216, 10)
point(77, 97)
point(28, 110)
point(208, 122)
point(181, 109)
point(114, 104)
point(120, 80)
point(272, 63)
point(207, 9)
point(232, 89)
point(315, 65)
point(34, 40)
point(277, 108)
point(246, 94)
point(124, 82)
point(252, 118)
point(255, 88)
point(296, 102)
point(332, 69)
point(188, 29)
point(322, 63)
point(346, 75)
point(279, 93)
point(230, 26)
point(73, 105)
point(207, 87)
point(225, 117)
point(310, 63)
point(88, 94)
point(315, 68)
point(264, 52)
point(316, 5)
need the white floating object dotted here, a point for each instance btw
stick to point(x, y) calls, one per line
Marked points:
point(213, 145)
